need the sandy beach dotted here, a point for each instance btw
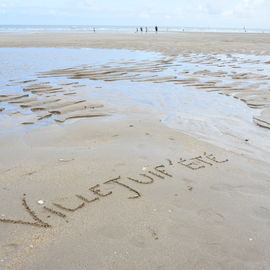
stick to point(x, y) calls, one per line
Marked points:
point(143, 151)
point(167, 43)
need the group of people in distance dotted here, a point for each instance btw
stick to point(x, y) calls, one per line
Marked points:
point(137, 29)
point(146, 29)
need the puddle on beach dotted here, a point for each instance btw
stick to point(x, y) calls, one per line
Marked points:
point(192, 93)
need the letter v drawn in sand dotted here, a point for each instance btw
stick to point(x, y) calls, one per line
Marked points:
point(37, 221)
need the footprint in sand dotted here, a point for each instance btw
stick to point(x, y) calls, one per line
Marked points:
point(262, 212)
point(246, 189)
point(222, 187)
point(10, 248)
point(210, 215)
point(188, 181)
point(138, 241)
point(112, 231)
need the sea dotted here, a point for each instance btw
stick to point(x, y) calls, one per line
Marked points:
point(119, 29)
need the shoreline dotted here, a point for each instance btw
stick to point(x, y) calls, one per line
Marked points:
point(229, 79)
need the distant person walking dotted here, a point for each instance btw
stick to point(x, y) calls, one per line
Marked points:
point(156, 29)
point(146, 29)
point(141, 29)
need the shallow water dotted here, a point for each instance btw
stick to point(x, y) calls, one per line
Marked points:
point(118, 29)
point(215, 118)
point(24, 63)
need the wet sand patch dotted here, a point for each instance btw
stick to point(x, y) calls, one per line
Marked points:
point(238, 84)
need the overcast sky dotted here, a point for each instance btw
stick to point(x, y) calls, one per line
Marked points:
point(212, 13)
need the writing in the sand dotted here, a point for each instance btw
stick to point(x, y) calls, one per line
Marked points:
point(97, 193)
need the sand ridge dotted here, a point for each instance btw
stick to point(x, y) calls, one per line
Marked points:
point(250, 87)
point(45, 101)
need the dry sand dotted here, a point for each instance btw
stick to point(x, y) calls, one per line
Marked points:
point(128, 192)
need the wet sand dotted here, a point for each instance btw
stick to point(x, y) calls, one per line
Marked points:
point(98, 189)
point(170, 44)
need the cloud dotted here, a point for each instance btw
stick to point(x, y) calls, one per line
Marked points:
point(169, 12)
point(247, 8)
point(93, 5)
